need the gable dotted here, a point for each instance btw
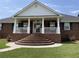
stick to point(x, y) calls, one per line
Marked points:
point(36, 10)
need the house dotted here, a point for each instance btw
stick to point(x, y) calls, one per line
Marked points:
point(37, 24)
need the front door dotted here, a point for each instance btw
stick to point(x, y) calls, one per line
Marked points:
point(37, 26)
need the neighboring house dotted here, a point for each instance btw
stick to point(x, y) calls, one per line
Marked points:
point(39, 24)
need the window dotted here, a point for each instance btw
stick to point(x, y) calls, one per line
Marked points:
point(66, 26)
point(0, 26)
point(52, 24)
point(25, 24)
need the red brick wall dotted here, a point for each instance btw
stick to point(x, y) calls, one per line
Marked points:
point(17, 36)
point(7, 32)
point(52, 37)
point(6, 29)
point(73, 34)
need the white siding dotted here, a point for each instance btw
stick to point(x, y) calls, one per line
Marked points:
point(36, 10)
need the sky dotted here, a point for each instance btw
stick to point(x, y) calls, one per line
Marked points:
point(10, 7)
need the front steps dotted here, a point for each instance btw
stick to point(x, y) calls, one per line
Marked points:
point(35, 39)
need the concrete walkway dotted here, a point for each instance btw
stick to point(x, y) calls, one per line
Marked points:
point(14, 46)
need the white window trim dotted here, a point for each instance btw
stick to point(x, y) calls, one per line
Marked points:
point(66, 26)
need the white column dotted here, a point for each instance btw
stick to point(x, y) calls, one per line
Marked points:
point(15, 24)
point(28, 29)
point(42, 25)
point(58, 26)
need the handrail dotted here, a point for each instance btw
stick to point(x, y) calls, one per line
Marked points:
point(21, 29)
point(50, 29)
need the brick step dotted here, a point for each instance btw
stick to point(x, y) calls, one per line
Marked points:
point(35, 44)
point(34, 39)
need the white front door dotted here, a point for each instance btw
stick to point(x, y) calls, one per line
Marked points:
point(37, 26)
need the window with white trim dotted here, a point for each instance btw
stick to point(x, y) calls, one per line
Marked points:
point(52, 24)
point(66, 26)
point(0, 26)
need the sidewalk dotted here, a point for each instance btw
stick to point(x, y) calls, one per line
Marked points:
point(14, 46)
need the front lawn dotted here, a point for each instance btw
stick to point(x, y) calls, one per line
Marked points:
point(67, 50)
point(3, 43)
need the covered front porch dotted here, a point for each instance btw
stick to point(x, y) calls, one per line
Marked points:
point(44, 25)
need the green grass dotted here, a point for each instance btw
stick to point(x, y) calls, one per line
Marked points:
point(67, 50)
point(3, 43)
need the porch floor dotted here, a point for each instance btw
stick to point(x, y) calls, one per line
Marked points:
point(35, 39)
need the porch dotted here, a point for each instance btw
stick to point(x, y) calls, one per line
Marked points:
point(37, 25)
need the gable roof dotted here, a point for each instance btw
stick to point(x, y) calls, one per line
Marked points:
point(65, 18)
point(37, 2)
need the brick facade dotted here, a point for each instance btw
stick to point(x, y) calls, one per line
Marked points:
point(73, 34)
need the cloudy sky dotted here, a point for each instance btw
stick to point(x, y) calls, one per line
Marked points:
point(10, 7)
